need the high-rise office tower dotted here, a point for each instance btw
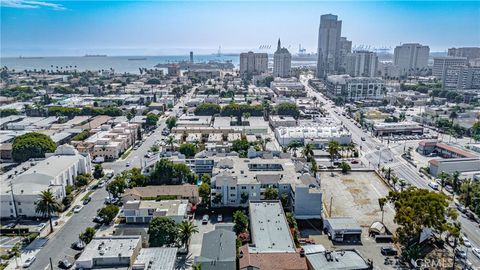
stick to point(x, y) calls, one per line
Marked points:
point(345, 49)
point(282, 62)
point(441, 64)
point(253, 63)
point(411, 57)
point(469, 52)
point(191, 57)
point(362, 64)
point(328, 45)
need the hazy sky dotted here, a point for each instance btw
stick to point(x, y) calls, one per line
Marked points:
point(57, 28)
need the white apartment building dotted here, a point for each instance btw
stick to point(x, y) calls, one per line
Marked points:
point(253, 63)
point(109, 143)
point(19, 195)
point(441, 64)
point(461, 77)
point(361, 64)
point(239, 180)
point(411, 57)
point(355, 89)
point(316, 134)
point(144, 211)
point(282, 62)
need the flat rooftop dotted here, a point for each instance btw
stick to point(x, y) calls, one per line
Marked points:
point(269, 228)
point(339, 260)
point(158, 258)
point(110, 247)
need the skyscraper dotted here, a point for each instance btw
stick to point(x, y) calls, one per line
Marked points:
point(328, 44)
point(191, 57)
point(253, 63)
point(282, 62)
point(411, 57)
point(345, 49)
point(362, 63)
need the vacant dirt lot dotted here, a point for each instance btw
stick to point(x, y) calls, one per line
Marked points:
point(356, 195)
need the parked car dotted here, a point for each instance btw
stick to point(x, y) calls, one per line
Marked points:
point(98, 219)
point(101, 184)
point(461, 208)
point(449, 188)
point(219, 218)
point(476, 252)
point(29, 261)
point(205, 219)
point(10, 225)
point(78, 245)
point(354, 161)
point(388, 251)
point(77, 208)
point(40, 227)
point(466, 242)
point(64, 264)
point(433, 185)
point(87, 200)
point(362, 138)
point(128, 163)
point(111, 200)
point(460, 253)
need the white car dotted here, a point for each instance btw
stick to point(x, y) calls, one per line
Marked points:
point(41, 226)
point(101, 184)
point(466, 242)
point(476, 252)
point(29, 261)
point(77, 208)
point(433, 185)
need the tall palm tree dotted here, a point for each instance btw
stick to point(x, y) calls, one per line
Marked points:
point(402, 184)
point(381, 203)
point(186, 229)
point(293, 146)
point(307, 151)
point(171, 141)
point(351, 148)
point(314, 167)
point(333, 148)
point(47, 205)
point(443, 176)
point(455, 182)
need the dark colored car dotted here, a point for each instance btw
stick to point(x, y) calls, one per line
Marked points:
point(388, 251)
point(87, 200)
point(64, 264)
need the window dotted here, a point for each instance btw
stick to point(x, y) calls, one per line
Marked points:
point(20, 210)
point(19, 203)
point(11, 211)
point(232, 195)
point(244, 187)
point(9, 203)
point(233, 201)
point(232, 188)
point(252, 187)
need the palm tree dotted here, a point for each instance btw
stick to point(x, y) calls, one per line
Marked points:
point(443, 176)
point(293, 146)
point(186, 229)
point(197, 267)
point(455, 182)
point(15, 251)
point(307, 151)
point(381, 203)
point(333, 148)
point(351, 148)
point(402, 184)
point(394, 179)
point(314, 167)
point(47, 205)
point(454, 231)
point(171, 141)
point(245, 117)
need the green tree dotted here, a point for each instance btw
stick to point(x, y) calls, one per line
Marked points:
point(98, 171)
point(187, 149)
point(171, 141)
point(165, 172)
point(206, 178)
point(381, 203)
point(162, 231)
point(241, 222)
point(217, 198)
point(31, 145)
point(271, 193)
point(117, 186)
point(345, 167)
point(307, 151)
point(240, 145)
point(313, 167)
point(87, 235)
point(108, 213)
point(207, 109)
point(82, 135)
point(289, 109)
point(333, 149)
point(171, 122)
point(443, 177)
point(151, 120)
point(204, 193)
point(293, 146)
point(47, 205)
point(244, 197)
point(417, 209)
point(82, 180)
point(185, 231)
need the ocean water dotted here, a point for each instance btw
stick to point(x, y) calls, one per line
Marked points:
point(121, 64)
point(118, 63)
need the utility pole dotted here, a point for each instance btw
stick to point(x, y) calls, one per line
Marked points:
point(13, 199)
point(330, 207)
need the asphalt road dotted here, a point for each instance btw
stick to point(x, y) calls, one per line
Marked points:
point(386, 157)
point(58, 247)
